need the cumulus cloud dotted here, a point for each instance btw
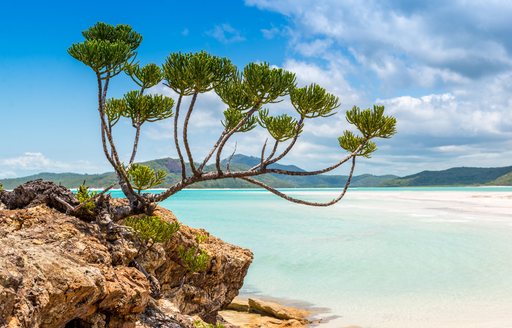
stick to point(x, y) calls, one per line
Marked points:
point(451, 40)
point(444, 69)
point(36, 162)
point(226, 33)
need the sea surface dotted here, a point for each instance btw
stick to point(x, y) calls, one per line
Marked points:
point(382, 257)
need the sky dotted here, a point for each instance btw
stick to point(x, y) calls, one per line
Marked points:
point(442, 68)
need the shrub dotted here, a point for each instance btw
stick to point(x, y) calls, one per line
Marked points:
point(85, 197)
point(194, 259)
point(152, 229)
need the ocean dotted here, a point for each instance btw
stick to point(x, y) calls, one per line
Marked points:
point(382, 257)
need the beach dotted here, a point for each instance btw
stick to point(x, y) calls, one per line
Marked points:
point(387, 257)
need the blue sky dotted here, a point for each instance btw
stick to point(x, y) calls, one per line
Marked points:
point(444, 69)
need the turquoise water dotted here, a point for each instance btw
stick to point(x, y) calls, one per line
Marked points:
point(383, 257)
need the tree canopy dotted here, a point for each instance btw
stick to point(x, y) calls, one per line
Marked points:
point(248, 94)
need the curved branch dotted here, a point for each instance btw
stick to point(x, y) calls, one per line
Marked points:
point(317, 172)
point(185, 134)
point(263, 163)
point(176, 140)
point(304, 202)
point(230, 133)
point(290, 145)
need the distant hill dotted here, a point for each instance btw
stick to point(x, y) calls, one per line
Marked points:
point(239, 162)
point(460, 176)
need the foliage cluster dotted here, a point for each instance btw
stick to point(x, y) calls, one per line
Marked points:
point(194, 259)
point(152, 229)
point(143, 177)
point(85, 197)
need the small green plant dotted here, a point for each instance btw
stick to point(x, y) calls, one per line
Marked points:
point(1, 187)
point(143, 177)
point(194, 258)
point(152, 229)
point(202, 324)
point(85, 197)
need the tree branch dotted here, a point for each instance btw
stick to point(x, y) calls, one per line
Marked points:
point(176, 140)
point(230, 158)
point(93, 198)
point(185, 134)
point(263, 163)
point(210, 154)
point(135, 144)
point(290, 146)
point(230, 133)
point(304, 202)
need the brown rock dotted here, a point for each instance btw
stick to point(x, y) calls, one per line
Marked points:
point(239, 304)
point(54, 269)
point(276, 310)
point(205, 293)
point(254, 320)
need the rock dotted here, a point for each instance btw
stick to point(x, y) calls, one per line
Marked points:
point(59, 271)
point(276, 310)
point(239, 304)
point(202, 294)
point(254, 320)
point(38, 192)
point(55, 270)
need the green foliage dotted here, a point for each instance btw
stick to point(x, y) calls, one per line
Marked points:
point(233, 116)
point(266, 84)
point(202, 324)
point(313, 101)
point(152, 228)
point(194, 258)
point(143, 177)
point(196, 72)
point(146, 108)
point(107, 49)
point(83, 195)
point(114, 109)
point(1, 187)
point(372, 123)
point(146, 77)
point(234, 94)
point(281, 128)
point(350, 142)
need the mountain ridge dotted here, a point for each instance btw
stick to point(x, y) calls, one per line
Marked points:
point(458, 176)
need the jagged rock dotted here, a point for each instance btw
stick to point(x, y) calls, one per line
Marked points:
point(54, 270)
point(59, 271)
point(202, 294)
point(38, 192)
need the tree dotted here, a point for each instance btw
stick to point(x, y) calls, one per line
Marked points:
point(110, 50)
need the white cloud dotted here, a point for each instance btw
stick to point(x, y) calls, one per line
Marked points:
point(226, 33)
point(36, 162)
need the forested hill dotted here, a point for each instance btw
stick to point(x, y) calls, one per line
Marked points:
point(458, 176)
point(452, 177)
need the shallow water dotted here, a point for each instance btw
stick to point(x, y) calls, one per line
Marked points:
point(417, 257)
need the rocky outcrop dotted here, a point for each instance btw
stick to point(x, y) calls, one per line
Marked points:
point(59, 271)
point(55, 269)
point(205, 293)
point(38, 192)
